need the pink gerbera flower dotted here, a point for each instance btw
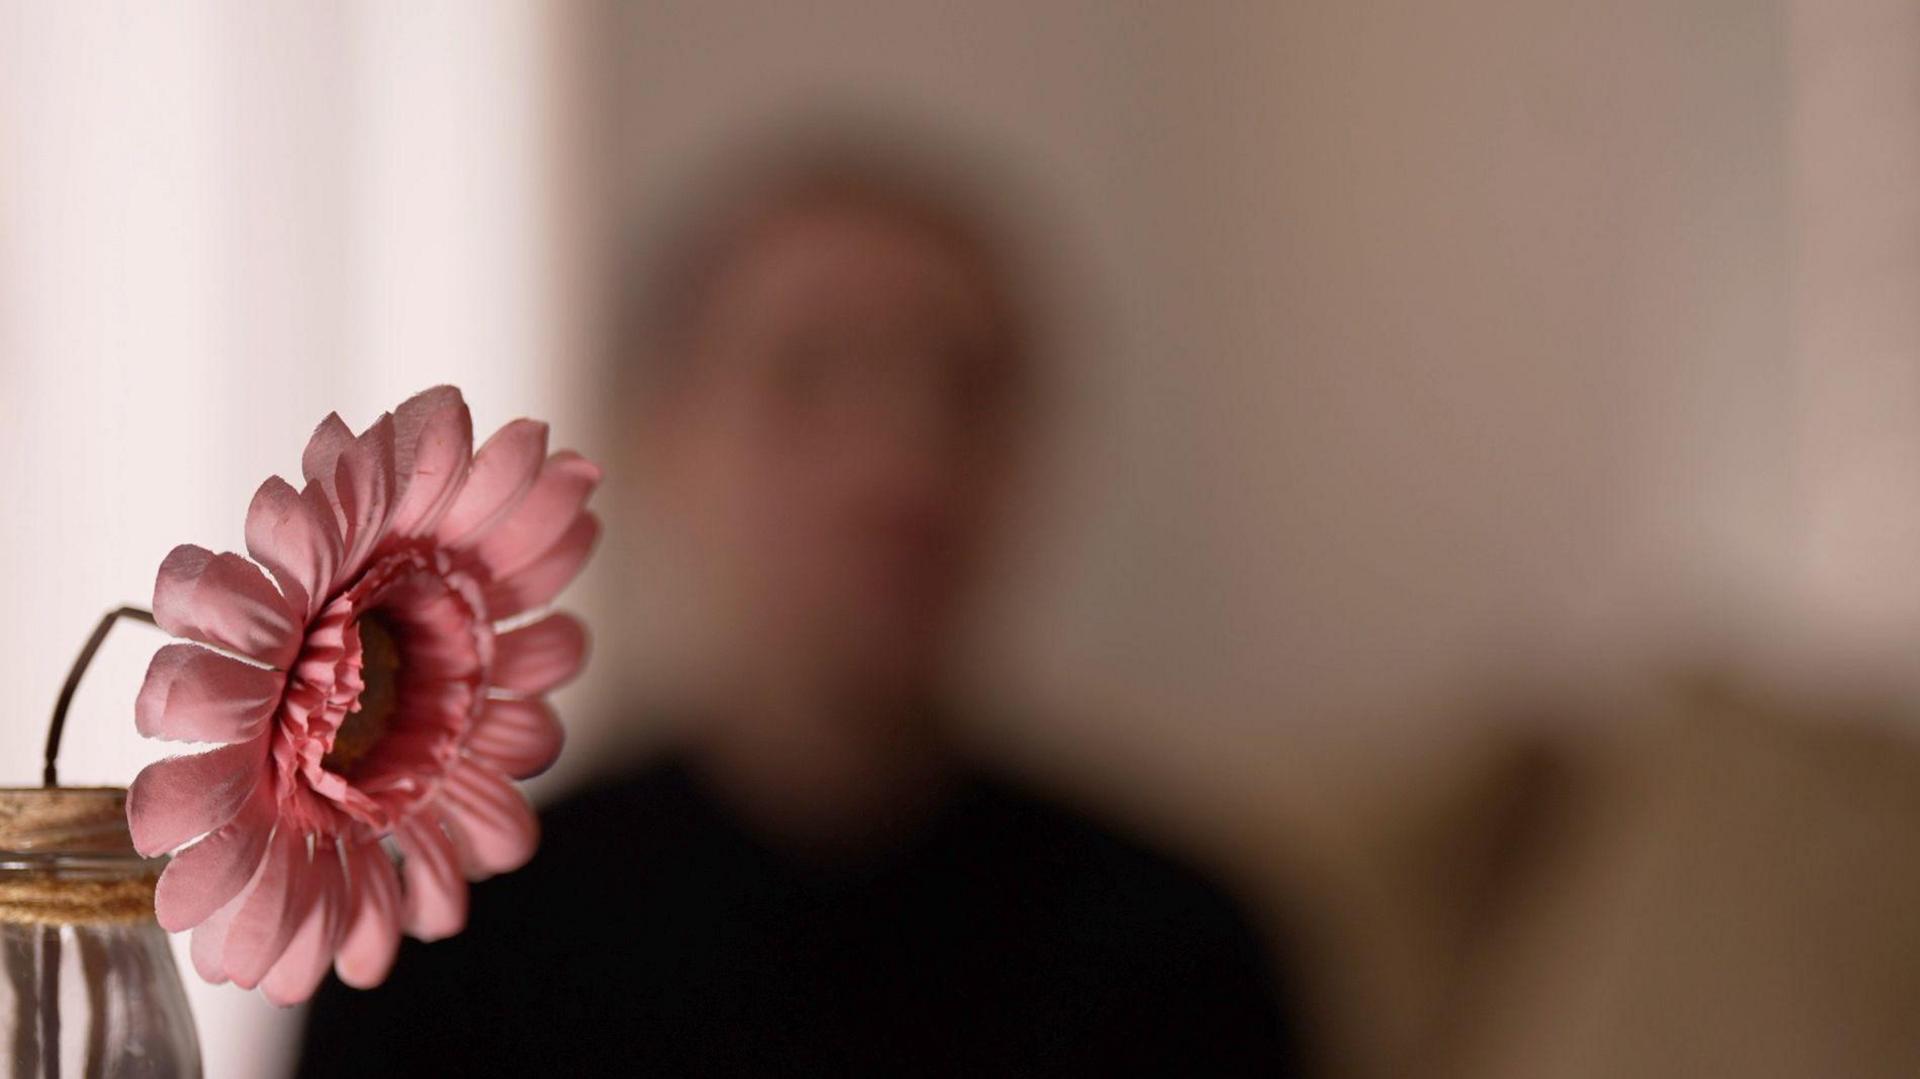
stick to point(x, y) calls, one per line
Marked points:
point(389, 688)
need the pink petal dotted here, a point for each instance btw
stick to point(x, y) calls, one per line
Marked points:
point(373, 935)
point(179, 798)
point(293, 534)
point(272, 910)
point(210, 937)
point(503, 472)
point(519, 737)
point(210, 942)
point(537, 657)
point(193, 694)
point(206, 876)
point(436, 894)
point(433, 448)
point(224, 600)
point(297, 973)
point(536, 584)
point(317, 462)
point(556, 500)
point(438, 627)
point(494, 828)
point(365, 485)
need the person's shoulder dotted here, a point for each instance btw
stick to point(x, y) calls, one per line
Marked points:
point(598, 831)
point(1082, 837)
point(655, 791)
point(1166, 936)
point(1119, 870)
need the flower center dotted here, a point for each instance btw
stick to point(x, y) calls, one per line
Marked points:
point(366, 724)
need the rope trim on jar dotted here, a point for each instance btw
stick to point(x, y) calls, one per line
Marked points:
point(52, 899)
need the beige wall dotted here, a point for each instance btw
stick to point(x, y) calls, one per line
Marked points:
point(1419, 332)
point(1433, 342)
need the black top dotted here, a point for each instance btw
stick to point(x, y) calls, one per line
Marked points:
point(655, 935)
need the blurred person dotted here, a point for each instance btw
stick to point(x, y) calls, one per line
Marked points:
point(828, 400)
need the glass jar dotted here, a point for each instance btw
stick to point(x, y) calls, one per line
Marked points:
point(88, 986)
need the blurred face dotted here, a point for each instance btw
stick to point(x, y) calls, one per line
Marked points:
point(842, 439)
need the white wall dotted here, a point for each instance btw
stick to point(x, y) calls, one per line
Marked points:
point(218, 222)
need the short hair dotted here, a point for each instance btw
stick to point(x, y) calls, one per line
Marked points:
point(862, 165)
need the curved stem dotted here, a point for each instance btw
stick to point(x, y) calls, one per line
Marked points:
point(50, 775)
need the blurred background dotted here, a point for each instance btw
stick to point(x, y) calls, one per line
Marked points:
point(1436, 379)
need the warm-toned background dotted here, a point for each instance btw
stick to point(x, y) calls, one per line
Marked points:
point(1417, 350)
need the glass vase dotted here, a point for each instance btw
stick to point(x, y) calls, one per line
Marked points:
point(88, 986)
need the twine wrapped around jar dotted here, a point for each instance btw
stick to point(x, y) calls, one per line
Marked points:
point(66, 859)
point(54, 900)
point(88, 984)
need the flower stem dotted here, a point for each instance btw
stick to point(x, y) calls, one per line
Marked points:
point(50, 775)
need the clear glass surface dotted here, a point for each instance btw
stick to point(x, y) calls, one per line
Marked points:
point(93, 1000)
point(88, 986)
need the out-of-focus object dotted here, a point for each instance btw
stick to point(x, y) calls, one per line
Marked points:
point(1713, 881)
point(90, 987)
point(1730, 889)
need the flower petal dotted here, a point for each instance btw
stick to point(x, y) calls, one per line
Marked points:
point(203, 878)
point(373, 935)
point(503, 472)
point(297, 973)
point(433, 448)
point(536, 584)
point(293, 534)
point(194, 694)
point(179, 798)
point(365, 485)
point(541, 655)
point(224, 600)
point(329, 440)
point(271, 911)
point(436, 894)
point(491, 823)
point(518, 737)
point(556, 500)
point(210, 941)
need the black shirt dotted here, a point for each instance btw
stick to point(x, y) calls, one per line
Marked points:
point(655, 935)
